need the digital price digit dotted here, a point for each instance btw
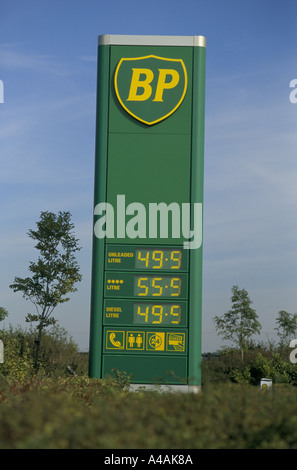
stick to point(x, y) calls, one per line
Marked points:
point(157, 312)
point(157, 288)
point(175, 312)
point(143, 312)
point(142, 287)
point(175, 285)
point(143, 257)
point(157, 258)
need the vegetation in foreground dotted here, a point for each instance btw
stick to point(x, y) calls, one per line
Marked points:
point(81, 413)
point(53, 409)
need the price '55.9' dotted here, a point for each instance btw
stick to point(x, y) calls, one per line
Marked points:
point(162, 286)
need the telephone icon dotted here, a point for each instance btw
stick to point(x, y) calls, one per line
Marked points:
point(115, 339)
point(117, 344)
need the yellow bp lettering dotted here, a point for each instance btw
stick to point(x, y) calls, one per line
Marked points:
point(141, 89)
point(143, 84)
point(165, 85)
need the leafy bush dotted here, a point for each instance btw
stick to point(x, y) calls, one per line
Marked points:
point(257, 364)
point(18, 360)
point(58, 352)
point(241, 376)
point(82, 413)
point(54, 410)
point(276, 368)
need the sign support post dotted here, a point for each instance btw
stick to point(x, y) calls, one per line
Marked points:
point(146, 296)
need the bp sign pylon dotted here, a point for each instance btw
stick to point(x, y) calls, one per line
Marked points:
point(148, 203)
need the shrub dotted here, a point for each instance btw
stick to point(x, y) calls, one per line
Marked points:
point(258, 363)
point(58, 351)
point(82, 413)
point(18, 360)
point(240, 375)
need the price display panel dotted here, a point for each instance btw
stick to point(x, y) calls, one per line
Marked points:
point(146, 295)
point(146, 258)
point(157, 314)
point(150, 313)
point(144, 285)
point(146, 311)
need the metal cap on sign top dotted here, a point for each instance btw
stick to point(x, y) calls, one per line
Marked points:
point(132, 40)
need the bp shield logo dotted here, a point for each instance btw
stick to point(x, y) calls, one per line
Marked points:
point(150, 88)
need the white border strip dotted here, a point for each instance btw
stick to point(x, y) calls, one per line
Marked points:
point(165, 388)
point(123, 40)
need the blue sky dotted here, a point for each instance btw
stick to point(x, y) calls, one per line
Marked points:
point(48, 55)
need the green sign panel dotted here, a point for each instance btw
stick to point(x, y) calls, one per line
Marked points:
point(148, 208)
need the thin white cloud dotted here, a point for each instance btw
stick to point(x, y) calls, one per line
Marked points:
point(89, 58)
point(12, 58)
point(15, 127)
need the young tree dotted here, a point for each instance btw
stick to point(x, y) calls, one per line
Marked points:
point(3, 313)
point(55, 273)
point(239, 323)
point(287, 326)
